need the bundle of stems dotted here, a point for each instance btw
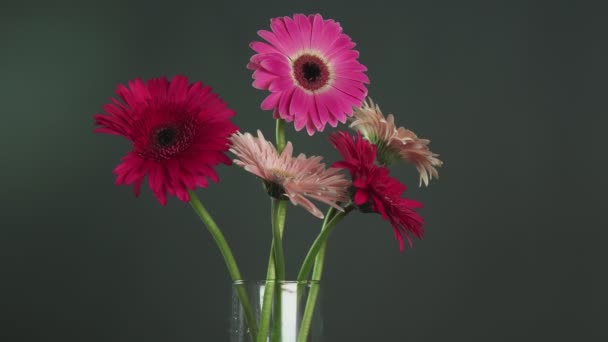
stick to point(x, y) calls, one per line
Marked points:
point(275, 276)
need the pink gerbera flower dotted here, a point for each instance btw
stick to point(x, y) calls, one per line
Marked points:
point(179, 132)
point(395, 143)
point(284, 176)
point(311, 70)
point(374, 190)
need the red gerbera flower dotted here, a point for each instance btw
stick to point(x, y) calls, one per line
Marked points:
point(375, 190)
point(179, 132)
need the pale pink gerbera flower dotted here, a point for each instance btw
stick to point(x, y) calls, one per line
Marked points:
point(311, 70)
point(284, 176)
point(395, 143)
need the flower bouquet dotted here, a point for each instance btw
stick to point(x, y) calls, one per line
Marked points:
point(181, 131)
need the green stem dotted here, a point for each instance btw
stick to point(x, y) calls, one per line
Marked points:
point(233, 269)
point(276, 262)
point(279, 209)
point(267, 301)
point(316, 252)
point(280, 135)
point(328, 216)
point(311, 301)
point(279, 212)
point(328, 227)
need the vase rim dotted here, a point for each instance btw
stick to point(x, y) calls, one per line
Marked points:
point(286, 282)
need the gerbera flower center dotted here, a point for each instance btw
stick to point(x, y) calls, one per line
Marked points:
point(274, 190)
point(311, 72)
point(166, 136)
point(281, 173)
point(166, 141)
point(274, 187)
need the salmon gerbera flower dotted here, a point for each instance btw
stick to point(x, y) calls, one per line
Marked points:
point(395, 143)
point(179, 133)
point(311, 70)
point(285, 177)
point(374, 190)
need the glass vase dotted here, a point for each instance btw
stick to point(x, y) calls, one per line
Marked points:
point(294, 311)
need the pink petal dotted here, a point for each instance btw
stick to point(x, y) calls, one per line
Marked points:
point(348, 66)
point(298, 103)
point(379, 207)
point(353, 88)
point(299, 109)
point(262, 79)
point(280, 30)
point(285, 101)
point(276, 67)
point(271, 101)
point(361, 197)
point(261, 47)
point(360, 183)
point(340, 46)
point(178, 88)
point(331, 32)
point(182, 195)
point(295, 33)
point(280, 84)
point(330, 98)
point(400, 240)
point(342, 165)
point(305, 29)
point(157, 87)
point(316, 30)
point(272, 39)
point(354, 76)
point(322, 109)
point(314, 113)
point(137, 186)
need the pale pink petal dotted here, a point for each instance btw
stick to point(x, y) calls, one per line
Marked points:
point(298, 199)
point(301, 178)
point(396, 142)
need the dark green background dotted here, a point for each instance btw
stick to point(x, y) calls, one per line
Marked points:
point(512, 95)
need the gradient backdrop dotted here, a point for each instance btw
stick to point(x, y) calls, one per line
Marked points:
point(512, 95)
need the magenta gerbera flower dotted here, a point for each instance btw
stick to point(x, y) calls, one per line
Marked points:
point(179, 132)
point(311, 70)
point(286, 177)
point(374, 190)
